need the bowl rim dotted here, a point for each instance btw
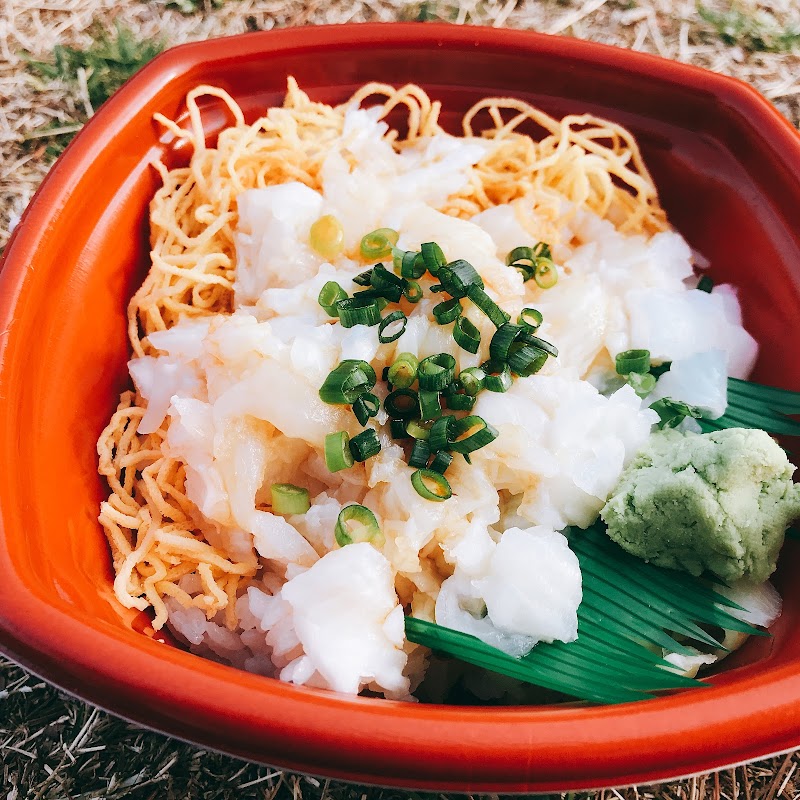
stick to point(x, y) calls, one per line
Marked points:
point(574, 748)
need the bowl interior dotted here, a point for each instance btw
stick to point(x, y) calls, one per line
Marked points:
point(66, 351)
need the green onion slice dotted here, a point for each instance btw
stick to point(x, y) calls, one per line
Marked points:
point(329, 295)
point(365, 445)
point(289, 499)
point(337, 451)
point(672, 412)
point(348, 381)
point(472, 380)
point(378, 244)
point(432, 257)
point(363, 278)
point(525, 360)
point(546, 275)
point(530, 317)
point(420, 453)
point(365, 407)
point(403, 371)
point(429, 405)
point(460, 402)
point(397, 319)
point(502, 340)
point(535, 341)
point(409, 263)
point(357, 524)
point(470, 434)
point(466, 335)
point(419, 430)
point(642, 384)
point(431, 485)
point(705, 284)
point(327, 236)
point(397, 429)
point(386, 283)
point(488, 306)
point(498, 376)
point(632, 361)
point(441, 461)
point(412, 291)
point(362, 309)
point(436, 372)
point(440, 434)
point(448, 311)
point(458, 277)
point(401, 404)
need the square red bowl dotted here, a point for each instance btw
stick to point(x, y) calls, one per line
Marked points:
point(727, 166)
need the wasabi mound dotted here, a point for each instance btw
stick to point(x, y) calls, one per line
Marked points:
point(718, 501)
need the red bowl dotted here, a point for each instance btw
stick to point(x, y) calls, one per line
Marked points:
point(727, 166)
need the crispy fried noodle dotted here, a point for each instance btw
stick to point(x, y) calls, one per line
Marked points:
point(156, 535)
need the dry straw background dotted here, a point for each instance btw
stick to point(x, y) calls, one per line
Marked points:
point(52, 746)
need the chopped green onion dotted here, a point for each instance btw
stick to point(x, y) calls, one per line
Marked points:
point(357, 524)
point(289, 499)
point(409, 263)
point(420, 453)
point(633, 361)
point(365, 445)
point(429, 405)
point(466, 335)
point(439, 438)
point(337, 451)
point(329, 295)
point(362, 309)
point(472, 380)
point(401, 404)
point(672, 412)
point(458, 277)
point(448, 311)
point(531, 317)
point(705, 284)
point(502, 340)
point(365, 407)
point(441, 461)
point(530, 261)
point(363, 279)
point(535, 341)
point(419, 430)
point(378, 244)
point(431, 485)
point(546, 275)
point(460, 402)
point(642, 384)
point(488, 306)
point(327, 236)
point(470, 434)
point(432, 257)
point(348, 381)
point(412, 291)
point(397, 429)
point(498, 376)
point(386, 283)
point(436, 372)
point(388, 321)
point(525, 360)
point(404, 370)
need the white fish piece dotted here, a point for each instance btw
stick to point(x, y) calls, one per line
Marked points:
point(271, 240)
point(284, 399)
point(158, 380)
point(503, 225)
point(533, 585)
point(762, 602)
point(700, 380)
point(183, 341)
point(342, 613)
point(562, 445)
point(675, 325)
